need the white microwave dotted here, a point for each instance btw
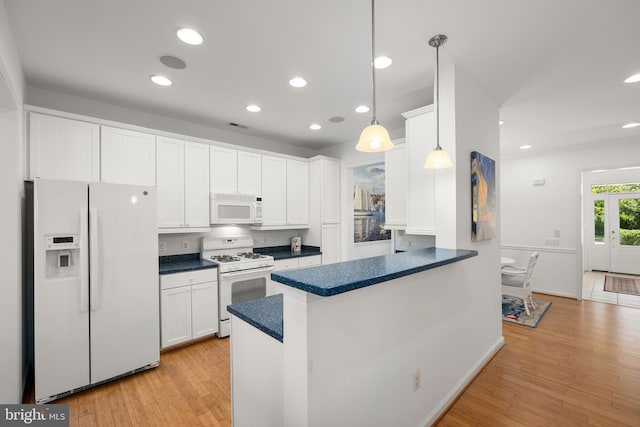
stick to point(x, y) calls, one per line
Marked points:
point(236, 209)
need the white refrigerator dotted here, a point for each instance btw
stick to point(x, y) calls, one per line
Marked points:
point(94, 292)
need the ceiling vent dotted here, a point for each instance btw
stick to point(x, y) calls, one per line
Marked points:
point(173, 62)
point(238, 126)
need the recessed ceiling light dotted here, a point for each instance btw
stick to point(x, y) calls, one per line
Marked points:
point(160, 80)
point(189, 36)
point(362, 109)
point(525, 147)
point(633, 79)
point(315, 126)
point(253, 108)
point(298, 82)
point(382, 62)
point(500, 122)
point(630, 125)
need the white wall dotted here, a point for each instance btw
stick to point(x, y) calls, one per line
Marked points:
point(102, 110)
point(531, 215)
point(11, 194)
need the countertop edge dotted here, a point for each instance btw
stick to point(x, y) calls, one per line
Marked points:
point(326, 292)
point(275, 309)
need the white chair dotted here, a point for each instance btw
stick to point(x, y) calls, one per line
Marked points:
point(516, 282)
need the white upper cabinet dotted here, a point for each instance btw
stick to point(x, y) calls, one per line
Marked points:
point(249, 173)
point(420, 140)
point(63, 148)
point(395, 194)
point(223, 170)
point(182, 176)
point(274, 191)
point(234, 171)
point(329, 191)
point(127, 157)
point(196, 184)
point(170, 182)
point(297, 192)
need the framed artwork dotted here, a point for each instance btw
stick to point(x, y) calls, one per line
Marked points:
point(368, 204)
point(483, 197)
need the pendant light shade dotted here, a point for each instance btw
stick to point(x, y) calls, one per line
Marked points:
point(438, 159)
point(374, 138)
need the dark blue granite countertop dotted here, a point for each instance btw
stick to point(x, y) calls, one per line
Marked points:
point(284, 252)
point(180, 263)
point(335, 279)
point(265, 314)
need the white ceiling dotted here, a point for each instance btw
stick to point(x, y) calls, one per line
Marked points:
point(555, 67)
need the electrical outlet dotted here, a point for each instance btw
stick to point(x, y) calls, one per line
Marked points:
point(163, 246)
point(186, 244)
point(417, 381)
point(409, 243)
point(265, 240)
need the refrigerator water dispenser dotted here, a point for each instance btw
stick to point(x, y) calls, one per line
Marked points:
point(63, 254)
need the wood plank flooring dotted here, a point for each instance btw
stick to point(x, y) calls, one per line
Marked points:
point(580, 367)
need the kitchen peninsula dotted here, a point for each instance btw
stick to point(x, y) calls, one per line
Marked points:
point(375, 342)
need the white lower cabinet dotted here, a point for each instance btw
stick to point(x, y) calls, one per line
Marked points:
point(291, 264)
point(189, 306)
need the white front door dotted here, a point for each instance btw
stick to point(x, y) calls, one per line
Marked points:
point(624, 232)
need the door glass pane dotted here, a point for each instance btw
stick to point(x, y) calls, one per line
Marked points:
point(598, 220)
point(629, 222)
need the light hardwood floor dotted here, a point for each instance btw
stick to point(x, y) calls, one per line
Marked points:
point(580, 367)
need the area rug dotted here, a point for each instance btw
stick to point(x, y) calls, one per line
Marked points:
point(513, 311)
point(622, 285)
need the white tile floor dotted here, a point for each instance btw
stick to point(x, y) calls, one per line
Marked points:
point(593, 289)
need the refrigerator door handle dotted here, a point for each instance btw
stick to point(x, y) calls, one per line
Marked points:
point(94, 265)
point(84, 268)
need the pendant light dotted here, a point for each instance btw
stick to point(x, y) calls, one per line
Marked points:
point(438, 159)
point(374, 138)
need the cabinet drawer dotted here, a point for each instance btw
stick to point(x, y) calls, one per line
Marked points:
point(169, 281)
point(310, 261)
point(286, 264)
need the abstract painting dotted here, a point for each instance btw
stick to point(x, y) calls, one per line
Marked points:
point(483, 197)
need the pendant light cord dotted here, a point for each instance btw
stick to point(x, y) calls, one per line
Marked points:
point(438, 98)
point(374, 121)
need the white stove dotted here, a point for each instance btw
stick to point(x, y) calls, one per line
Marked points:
point(234, 254)
point(242, 274)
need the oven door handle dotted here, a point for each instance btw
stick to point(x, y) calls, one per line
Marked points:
point(246, 272)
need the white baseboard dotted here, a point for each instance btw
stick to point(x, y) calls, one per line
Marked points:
point(459, 388)
point(554, 293)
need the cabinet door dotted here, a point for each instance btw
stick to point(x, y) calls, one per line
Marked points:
point(297, 192)
point(127, 157)
point(330, 246)
point(396, 188)
point(170, 182)
point(310, 261)
point(204, 309)
point(274, 190)
point(63, 149)
point(223, 176)
point(249, 173)
point(286, 264)
point(330, 191)
point(420, 136)
point(175, 316)
point(196, 184)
